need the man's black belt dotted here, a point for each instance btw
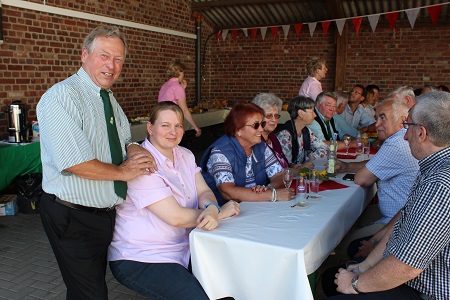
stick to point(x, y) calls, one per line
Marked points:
point(84, 208)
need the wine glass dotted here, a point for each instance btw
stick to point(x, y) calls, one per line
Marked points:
point(347, 143)
point(287, 177)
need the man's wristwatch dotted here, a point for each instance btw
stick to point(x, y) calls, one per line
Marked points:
point(214, 204)
point(355, 283)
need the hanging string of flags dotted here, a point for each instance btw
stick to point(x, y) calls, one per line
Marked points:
point(392, 17)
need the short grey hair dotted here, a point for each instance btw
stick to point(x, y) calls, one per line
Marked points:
point(104, 31)
point(432, 111)
point(399, 108)
point(267, 100)
point(401, 92)
point(342, 97)
point(321, 97)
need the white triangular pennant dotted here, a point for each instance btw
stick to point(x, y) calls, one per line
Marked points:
point(340, 25)
point(285, 30)
point(263, 32)
point(245, 31)
point(224, 34)
point(373, 20)
point(312, 27)
point(412, 16)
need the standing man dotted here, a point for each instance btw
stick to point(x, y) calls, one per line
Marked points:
point(84, 134)
point(411, 260)
point(354, 113)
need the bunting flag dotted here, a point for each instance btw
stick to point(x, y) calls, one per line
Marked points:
point(373, 20)
point(434, 12)
point(286, 30)
point(412, 16)
point(357, 23)
point(274, 32)
point(325, 26)
point(263, 32)
point(340, 25)
point(224, 34)
point(312, 27)
point(392, 18)
point(298, 28)
point(233, 34)
point(253, 33)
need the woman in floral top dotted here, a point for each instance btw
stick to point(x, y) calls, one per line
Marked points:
point(301, 110)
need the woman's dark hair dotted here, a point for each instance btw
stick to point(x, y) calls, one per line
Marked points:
point(299, 102)
point(238, 115)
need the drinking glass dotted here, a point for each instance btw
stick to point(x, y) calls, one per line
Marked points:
point(347, 143)
point(366, 149)
point(287, 177)
point(314, 181)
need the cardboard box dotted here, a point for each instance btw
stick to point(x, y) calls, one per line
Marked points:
point(8, 205)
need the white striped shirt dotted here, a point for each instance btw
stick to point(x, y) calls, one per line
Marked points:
point(72, 131)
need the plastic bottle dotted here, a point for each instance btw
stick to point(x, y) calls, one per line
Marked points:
point(359, 144)
point(301, 187)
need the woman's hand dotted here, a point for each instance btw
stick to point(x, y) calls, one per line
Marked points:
point(229, 209)
point(209, 218)
point(198, 132)
point(307, 164)
point(259, 189)
point(183, 83)
point(285, 194)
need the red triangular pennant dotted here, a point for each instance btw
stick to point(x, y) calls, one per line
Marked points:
point(392, 18)
point(434, 12)
point(253, 33)
point(218, 35)
point(357, 23)
point(274, 32)
point(298, 28)
point(325, 26)
point(234, 34)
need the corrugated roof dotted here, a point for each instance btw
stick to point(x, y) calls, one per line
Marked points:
point(230, 14)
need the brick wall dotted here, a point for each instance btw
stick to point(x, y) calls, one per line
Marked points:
point(41, 49)
point(238, 70)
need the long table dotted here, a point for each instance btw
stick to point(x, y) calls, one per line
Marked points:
point(209, 118)
point(268, 250)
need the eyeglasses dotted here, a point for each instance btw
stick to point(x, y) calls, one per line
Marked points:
point(256, 125)
point(407, 124)
point(270, 116)
point(355, 91)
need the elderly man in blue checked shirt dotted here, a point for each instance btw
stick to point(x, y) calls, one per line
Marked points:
point(412, 259)
point(393, 168)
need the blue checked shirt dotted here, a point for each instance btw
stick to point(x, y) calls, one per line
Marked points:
point(396, 170)
point(73, 130)
point(421, 237)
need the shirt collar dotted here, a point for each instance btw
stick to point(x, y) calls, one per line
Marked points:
point(159, 157)
point(433, 159)
point(89, 83)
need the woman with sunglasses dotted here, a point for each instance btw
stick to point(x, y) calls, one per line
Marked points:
point(297, 141)
point(237, 166)
point(271, 105)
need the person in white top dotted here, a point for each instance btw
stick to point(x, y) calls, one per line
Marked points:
point(317, 70)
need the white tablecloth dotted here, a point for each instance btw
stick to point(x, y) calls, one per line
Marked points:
point(269, 249)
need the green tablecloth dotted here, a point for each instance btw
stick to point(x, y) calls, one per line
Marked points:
point(18, 160)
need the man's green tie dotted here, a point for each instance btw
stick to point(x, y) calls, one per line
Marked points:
point(330, 133)
point(120, 187)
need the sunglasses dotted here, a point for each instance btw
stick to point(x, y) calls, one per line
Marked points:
point(256, 125)
point(270, 116)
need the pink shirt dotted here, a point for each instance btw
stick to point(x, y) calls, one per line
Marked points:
point(140, 235)
point(171, 91)
point(311, 88)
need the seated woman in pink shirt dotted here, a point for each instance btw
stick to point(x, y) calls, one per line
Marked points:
point(317, 70)
point(174, 90)
point(149, 252)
